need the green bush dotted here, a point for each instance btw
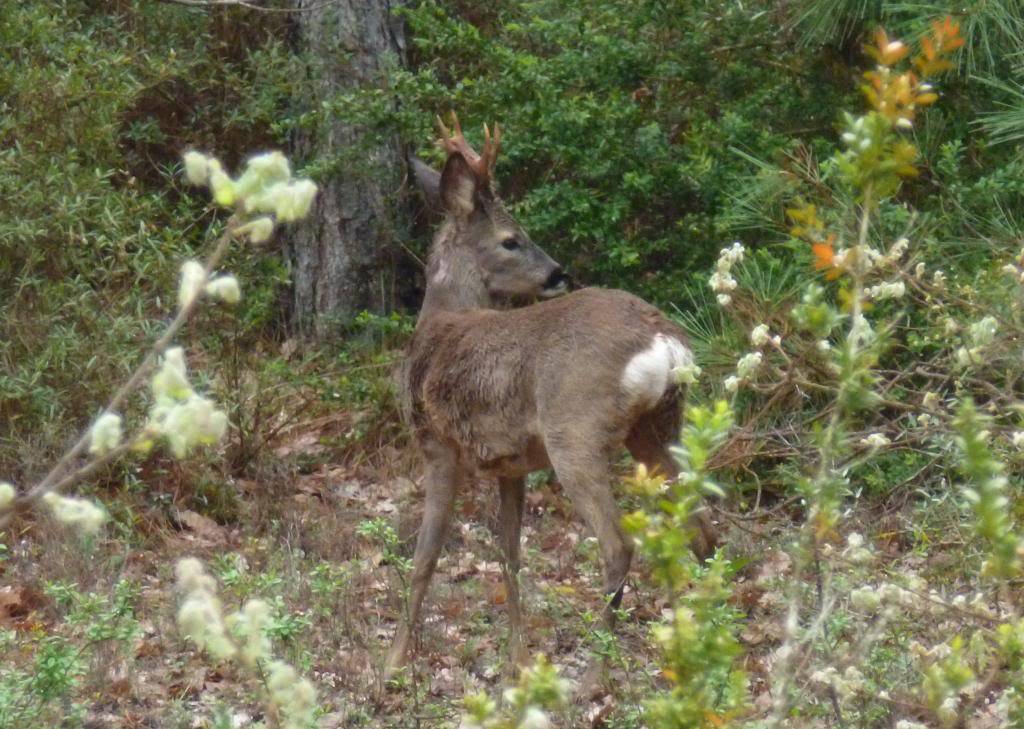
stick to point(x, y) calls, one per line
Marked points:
point(99, 103)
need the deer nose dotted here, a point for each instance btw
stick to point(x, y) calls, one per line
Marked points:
point(558, 281)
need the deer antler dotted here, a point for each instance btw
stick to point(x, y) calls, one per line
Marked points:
point(481, 164)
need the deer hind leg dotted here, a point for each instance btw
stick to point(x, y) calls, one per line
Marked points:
point(440, 484)
point(648, 442)
point(512, 492)
point(585, 475)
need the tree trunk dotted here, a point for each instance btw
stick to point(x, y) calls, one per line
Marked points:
point(343, 257)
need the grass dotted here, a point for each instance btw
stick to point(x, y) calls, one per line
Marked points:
point(296, 536)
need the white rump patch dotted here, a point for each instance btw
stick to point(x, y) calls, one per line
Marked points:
point(654, 370)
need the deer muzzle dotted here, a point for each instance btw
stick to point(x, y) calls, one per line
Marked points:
point(557, 283)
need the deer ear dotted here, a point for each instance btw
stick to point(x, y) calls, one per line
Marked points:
point(429, 181)
point(459, 186)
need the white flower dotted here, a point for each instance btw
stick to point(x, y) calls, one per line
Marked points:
point(865, 599)
point(262, 171)
point(950, 326)
point(193, 422)
point(890, 290)
point(907, 724)
point(855, 550)
point(296, 697)
point(823, 345)
point(748, 364)
point(966, 357)
point(931, 400)
point(193, 278)
point(984, 331)
point(722, 282)
point(172, 381)
point(924, 420)
point(938, 279)
point(874, 441)
point(759, 335)
point(225, 288)
point(287, 200)
point(199, 618)
point(731, 255)
point(687, 374)
point(105, 434)
point(534, 718)
point(1011, 270)
point(898, 249)
point(732, 383)
point(258, 230)
point(1018, 439)
point(724, 299)
point(197, 168)
point(7, 495)
point(919, 270)
point(81, 514)
point(222, 186)
point(192, 576)
point(250, 624)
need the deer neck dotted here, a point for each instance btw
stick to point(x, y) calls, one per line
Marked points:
point(454, 283)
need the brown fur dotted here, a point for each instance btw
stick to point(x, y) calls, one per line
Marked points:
point(506, 392)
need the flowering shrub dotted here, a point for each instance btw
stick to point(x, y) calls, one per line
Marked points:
point(262, 196)
point(698, 643)
point(242, 636)
point(878, 355)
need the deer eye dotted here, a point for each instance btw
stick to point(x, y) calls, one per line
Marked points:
point(510, 244)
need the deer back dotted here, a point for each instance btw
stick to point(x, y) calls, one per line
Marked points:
point(501, 384)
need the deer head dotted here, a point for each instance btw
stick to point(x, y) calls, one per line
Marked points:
point(481, 256)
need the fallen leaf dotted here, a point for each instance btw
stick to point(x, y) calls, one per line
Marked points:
point(202, 526)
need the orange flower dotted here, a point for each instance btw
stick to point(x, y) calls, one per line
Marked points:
point(945, 39)
point(825, 257)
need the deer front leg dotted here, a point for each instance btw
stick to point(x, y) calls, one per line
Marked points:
point(512, 492)
point(440, 485)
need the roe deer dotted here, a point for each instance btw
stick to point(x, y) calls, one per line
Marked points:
point(563, 383)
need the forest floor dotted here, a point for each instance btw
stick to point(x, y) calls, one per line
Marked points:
point(292, 537)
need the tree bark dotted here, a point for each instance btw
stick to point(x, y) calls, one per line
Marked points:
point(343, 257)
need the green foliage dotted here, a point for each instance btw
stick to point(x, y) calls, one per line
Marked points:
point(381, 532)
point(47, 692)
point(539, 690)
point(99, 103)
point(986, 493)
point(698, 643)
point(621, 119)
